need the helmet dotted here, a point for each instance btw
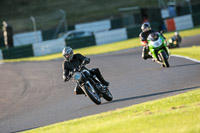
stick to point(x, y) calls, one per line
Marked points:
point(67, 53)
point(176, 33)
point(145, 27)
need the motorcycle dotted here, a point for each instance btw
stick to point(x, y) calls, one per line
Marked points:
point(158, 49)
point(173, 42)
point(91, 85)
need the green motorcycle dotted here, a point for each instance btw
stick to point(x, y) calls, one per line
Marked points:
point(158, 49)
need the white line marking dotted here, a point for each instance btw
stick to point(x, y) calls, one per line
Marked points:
point(186, 58)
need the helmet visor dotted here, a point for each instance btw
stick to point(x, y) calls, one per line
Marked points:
point(68, 56)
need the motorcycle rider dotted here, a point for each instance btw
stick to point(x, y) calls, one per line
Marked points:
point(73, 61)
point(177, 37)
point(174, 41)
point(146, 30)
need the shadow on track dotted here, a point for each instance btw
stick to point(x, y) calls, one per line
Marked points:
point(149, 95)
point(24, 130)
point(186, 65)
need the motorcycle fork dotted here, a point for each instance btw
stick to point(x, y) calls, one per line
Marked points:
point(96, 82)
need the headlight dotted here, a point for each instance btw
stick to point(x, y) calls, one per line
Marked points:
point(157, 43)
point(175, 42)
point(77, 76)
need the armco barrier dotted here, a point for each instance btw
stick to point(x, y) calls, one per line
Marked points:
point(27, 38)
point(18, 52)
point(116, 23)
point(196, 18)
point(96, 26)
point(81, 42)
point(183, 22)
point(49, 33)
point(48, 47)
point(170, 24)
point(179, 23)
point(2, 42)
point(111, 36)
point(1, 57)
point(133, 31)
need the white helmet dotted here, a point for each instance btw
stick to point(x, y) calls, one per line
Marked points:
point(176, 33)
point(67, 53)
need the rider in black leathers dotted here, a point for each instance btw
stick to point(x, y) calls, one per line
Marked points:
point(73, 61)
point(146, 30)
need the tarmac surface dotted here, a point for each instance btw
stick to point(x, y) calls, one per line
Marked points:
point(32, 94)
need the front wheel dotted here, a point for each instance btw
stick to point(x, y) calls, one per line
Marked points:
point(92, 95)
point(164, 59)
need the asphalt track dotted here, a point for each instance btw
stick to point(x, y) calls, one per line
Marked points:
point(32, 94)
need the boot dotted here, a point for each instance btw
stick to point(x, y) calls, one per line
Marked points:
point(145, 53)
point(97, 72)
point(103, 81)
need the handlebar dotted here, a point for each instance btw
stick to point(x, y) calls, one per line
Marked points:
point(76, 70)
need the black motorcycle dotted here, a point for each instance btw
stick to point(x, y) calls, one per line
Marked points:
point(174, 42)
point(91, 85)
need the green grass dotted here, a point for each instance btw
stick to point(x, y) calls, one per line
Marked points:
point(185, 33)
point(192, 52)
point(176, 114)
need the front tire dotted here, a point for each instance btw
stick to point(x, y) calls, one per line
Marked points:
point(164, 59)
point(92, 95)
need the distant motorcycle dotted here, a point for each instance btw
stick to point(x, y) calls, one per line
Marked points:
point(174, 42)
point(158, 49)
point(91, 85)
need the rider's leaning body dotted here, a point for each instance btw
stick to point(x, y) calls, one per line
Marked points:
point(146, 31)
point(73, 61)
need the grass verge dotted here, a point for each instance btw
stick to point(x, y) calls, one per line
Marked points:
point(176, 114)
point(100, 49)
point(192, 52)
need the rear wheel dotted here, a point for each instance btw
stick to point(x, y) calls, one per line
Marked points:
point(107, 96)
point(164, 59)
point(92, 95)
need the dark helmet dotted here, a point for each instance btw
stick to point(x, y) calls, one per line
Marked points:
point(145, 27)
point(153, 36)
point(67, 53)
